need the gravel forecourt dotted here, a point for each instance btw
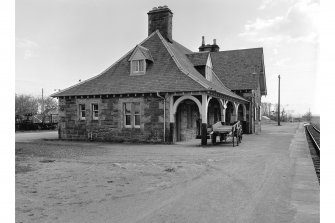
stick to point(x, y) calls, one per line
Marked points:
point(64, 181)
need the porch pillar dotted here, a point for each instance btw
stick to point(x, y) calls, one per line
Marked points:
point(172, 120)
point(204, 106)
point(172, 126)
point(223, 116)
point(244, 113)
point(235, 112)
point(223, 104)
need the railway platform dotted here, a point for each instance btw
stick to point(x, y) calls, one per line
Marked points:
point(288, 142)
point(305, 195)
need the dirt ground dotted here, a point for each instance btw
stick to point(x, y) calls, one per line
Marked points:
point(62, 181)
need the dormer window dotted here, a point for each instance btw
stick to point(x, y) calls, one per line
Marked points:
point(139, 60)
point(138, 66)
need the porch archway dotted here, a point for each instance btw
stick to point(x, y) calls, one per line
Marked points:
point(187, 121)
point(229, 113)
point(242, 111)
point(178, 101)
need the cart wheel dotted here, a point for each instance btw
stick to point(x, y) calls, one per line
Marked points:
point(213, 138)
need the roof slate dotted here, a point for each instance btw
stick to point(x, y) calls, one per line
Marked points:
point(171, 71)
point(239, 69)
point(198, 59)
point(189, 67)
point(161, 76)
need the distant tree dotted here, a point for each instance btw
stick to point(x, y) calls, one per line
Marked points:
point(266, 108)
point(269, 109)
point(47, 104)
point(283, 115)
point(307, 116)
point(25, 104)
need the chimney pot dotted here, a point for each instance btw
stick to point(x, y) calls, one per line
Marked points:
point(208, 47)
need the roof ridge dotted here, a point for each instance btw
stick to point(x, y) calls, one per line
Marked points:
point(254, 48)
point(198, 52)
point(103, 72)
point(178, 63)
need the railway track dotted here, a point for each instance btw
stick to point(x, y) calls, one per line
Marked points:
point(313, 134)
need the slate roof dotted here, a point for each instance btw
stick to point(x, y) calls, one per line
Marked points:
point(240, 69)
point(198, 59)
point(171, 71)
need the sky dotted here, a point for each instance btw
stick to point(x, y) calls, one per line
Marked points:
point(59, 42)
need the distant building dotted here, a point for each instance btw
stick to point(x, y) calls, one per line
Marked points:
point(162, 91)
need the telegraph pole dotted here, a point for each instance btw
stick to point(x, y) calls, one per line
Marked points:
point(278, 100)
point(42, 109)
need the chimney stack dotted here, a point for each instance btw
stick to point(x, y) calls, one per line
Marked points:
point(161, 18)
point(208, 47)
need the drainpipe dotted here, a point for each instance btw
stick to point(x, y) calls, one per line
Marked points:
point(164, 112)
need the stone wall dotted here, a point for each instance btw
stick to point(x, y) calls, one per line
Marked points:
point(110, 126)
point(258, 116)
point(253, 119)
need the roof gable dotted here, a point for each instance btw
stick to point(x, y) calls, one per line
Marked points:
point(141, 53)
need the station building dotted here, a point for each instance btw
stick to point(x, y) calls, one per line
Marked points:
point(161, 91)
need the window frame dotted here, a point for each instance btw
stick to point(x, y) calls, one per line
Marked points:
point(93, 111)
point(125, 114)
point(133, 114)
point(137, 65)
point(81, 110)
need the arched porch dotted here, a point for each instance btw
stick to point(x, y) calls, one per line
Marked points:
point(192, 115)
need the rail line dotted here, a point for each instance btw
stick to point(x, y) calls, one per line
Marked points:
point(314, 133)
point(314, 138)
point(316, 129)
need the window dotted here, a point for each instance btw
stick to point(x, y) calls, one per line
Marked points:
point(132, 115)
point(127, 115)
point(138, 66)
point(137, 115)
point(139, 59)
point(82, 112)
point(255, 115)
point(95, 111)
